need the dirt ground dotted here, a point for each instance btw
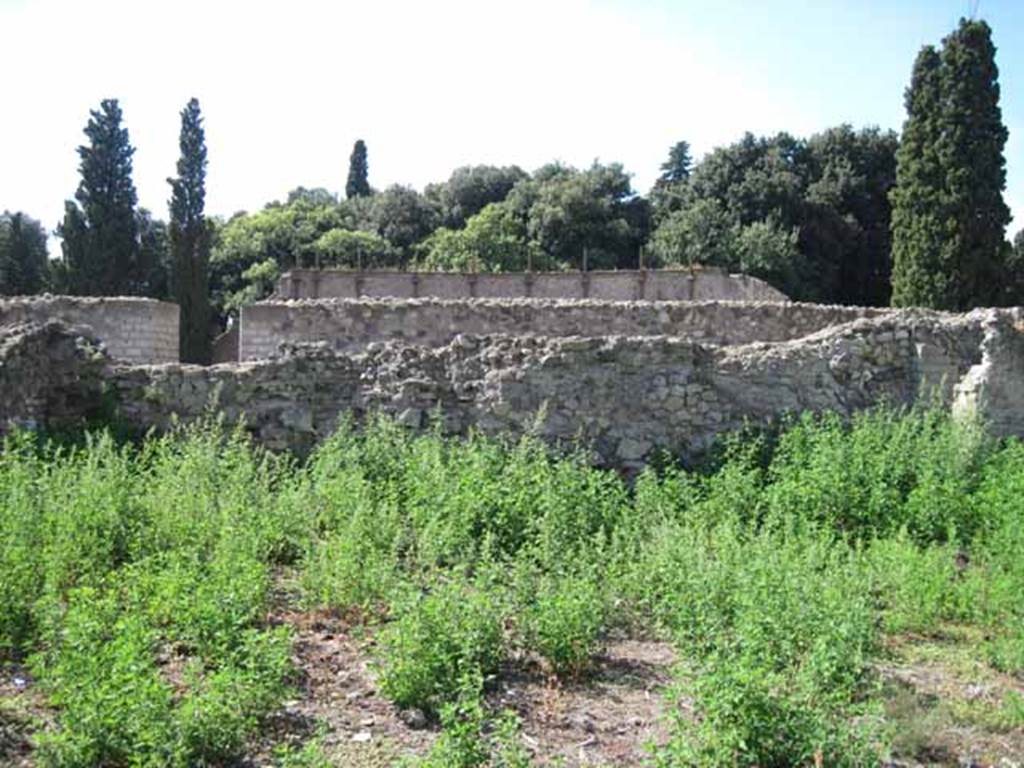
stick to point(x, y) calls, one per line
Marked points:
point(606, 719)
point(946, 705)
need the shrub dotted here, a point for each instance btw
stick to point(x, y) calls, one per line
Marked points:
point(915, 587)
point(565, 622)
point(102, 676)
point(886, 471)
point(437, 639)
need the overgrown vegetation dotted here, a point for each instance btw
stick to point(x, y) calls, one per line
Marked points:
point(137, 582)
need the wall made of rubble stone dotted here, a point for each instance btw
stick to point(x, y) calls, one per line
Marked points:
point(49, 376)
point(625, 397)
point(350, 325)
point(131, 329)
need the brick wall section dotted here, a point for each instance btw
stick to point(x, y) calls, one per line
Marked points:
point(704, 284)
point(133, 330)
point(350, 325)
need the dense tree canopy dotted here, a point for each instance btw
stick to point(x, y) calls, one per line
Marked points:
point(567, 211)
point(282, 234)
point(154, 255)
point(949, 218)
point(679, 164)
point(470, 189)
point(701, 233)
point(829, 192)
point(24, 267)
point(403, 217)
point(355, 249)
point(495, 240)
point(851, 175)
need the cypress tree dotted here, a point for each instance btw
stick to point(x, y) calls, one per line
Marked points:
point(919, 276)
point(973, 140)
point(190, 239)
point(949, 218)
point(358, 184)
point(679, 164)
point(101, 249)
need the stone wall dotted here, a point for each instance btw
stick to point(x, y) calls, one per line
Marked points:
point(702, 284)
point(624, 397)
point(350, 325)
point(225, 347)
point(132, 329)
point(49, 375)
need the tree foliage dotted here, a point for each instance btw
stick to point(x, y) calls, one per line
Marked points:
point(567, 210)
point(847, 201)
point(154, 255)
point(495, 240)
point(403, 217)
point(702, 233)
point(470, 189)
point(830, 190)
point(24, 267)
point(285, 234)
point(669, 191)
point(677, 167)
point(354, 249)
point(949, 218)
point(190, 238)
point(358, 183)
point(100, 232)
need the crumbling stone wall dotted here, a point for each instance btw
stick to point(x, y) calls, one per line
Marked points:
point(350, 325)
point(132, 329)
point(699, 284)
point(50, 375)
point(625, 397)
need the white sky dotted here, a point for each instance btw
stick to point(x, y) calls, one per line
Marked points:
point(287, 87)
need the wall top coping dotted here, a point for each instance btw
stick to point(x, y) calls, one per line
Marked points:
point(52, 298)
point(390, 302)
point(695, 270)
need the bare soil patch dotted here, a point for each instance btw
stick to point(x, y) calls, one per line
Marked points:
point(608, 718)
point(948, 706)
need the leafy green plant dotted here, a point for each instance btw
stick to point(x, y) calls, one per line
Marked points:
point(565, 622)
point(437, 639)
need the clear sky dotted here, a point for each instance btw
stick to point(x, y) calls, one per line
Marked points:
point(287, 86)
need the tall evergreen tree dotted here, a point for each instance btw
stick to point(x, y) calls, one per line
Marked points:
point(668, 194)
point(190, 239)
point(358, 184)
point(24, 268)
point(974, 139)
point(919, 274)
point(677, 167)
point(101, 247)
point(949, 218)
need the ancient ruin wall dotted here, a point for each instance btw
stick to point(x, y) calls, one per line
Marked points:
point(350, 325)
point(703, 284)
point(134, 330)
point(49, 375)
point(626, 397)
